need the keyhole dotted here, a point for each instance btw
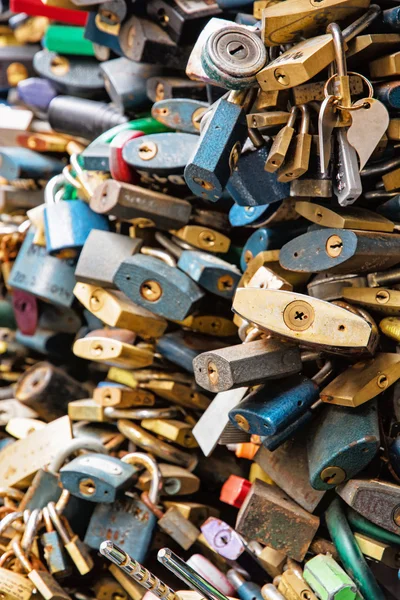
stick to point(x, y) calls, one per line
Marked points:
point(212, 373)
point(334, 246)
point(382, 297)
point(225, 283)
point(151, 290)
point(237, 50)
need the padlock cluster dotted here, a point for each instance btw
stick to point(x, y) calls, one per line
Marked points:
point(200, 300)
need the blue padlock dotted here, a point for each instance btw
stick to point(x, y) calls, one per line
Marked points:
point(50, 343)
point(263, 215)
point(182, 114)
point(219, 148)
point(67, 225)
point(157, 286)
point(271, 238)
point(182, 347)
point(96, 477)
point(100, 37)
point(390, 209)
point(46, 277)
point(210, 272)
point(22, 163)
point(342, 441)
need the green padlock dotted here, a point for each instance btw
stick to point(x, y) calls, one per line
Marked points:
point(328, 580)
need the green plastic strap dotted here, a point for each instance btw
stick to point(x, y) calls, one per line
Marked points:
point(146, 124)
point(351, 556)
point(362, 525)
point(67, 39)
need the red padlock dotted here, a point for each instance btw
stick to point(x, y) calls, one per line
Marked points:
point(119, 169)
point(38, 8)
point(26, 311)
point(235, 490)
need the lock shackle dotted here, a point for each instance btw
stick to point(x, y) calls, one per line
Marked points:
point(325, 371)
point(74, 445)
point(145, 460)
point(11, 493)
point(160, 254)
point(339, 48)
point(9, 520)
point(153, 507)
point(54, 185)
point(47, 520)
point(58, 524)
point(21, 556)
point(361, 23)
point(168, 244)
point(294, 113)
point(305, 119)
point(31, 527)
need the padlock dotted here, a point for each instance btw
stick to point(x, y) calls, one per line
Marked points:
point(225, 132)
point(287, 466)
point(68, 40)
point(136, 204)
point(101, 255)
point(26, 311)
point(203, 238)
point(115, 309)
point(176, 481)
point(330, 287)
point(211, 273)
point(348, 217)
point(182, 22)
point(337, 459)
point(76, 549)
point(245, 589)
point(43, 581)
point(172, 430)
point(125, 82)
point(112, 352)
point(292, 584)
point(157, 286)
point(67, 226)
point(127, 520)
point(363, 494)
point(232, 367)
point(173, 523)
point(183, 114)
point(15, 585)
point(193, 511)
point(362, 381)
point(206, 569)
point(17, 63)
point(272, 408)
point(299, 318)
point(297, 158)
point(164, 87)
point(223, 538)
point(235, 490)
point(122, 397)
point(20, 163)
point(152, 44)
point(380, 300)
point(313, 184)
point(256, 519)
point(258, 216)
point(96, 477)
point(327, 578)
point(53, 549)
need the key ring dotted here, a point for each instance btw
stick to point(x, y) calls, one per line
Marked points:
point(350, 108)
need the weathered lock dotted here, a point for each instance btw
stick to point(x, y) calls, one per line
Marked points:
point(232, 56)
point(182, 22)
point(270, 238)
point(297, 158)
point(348, 217)
point(207, 173)
point(182, 347)
point(15, 586)
point(250, 184)
point(293, 586)
point(258, 216)
point(113, 394)
point(272, 408)
point(22, 163)
point(246, 364)
point(128, 521)
point(42, 275)
point(256, 520)
point(363, 495)
point(327, 578)
point(363, 381)
point(26, 311)
point(183, 114)
point(312, 321)
point(172, 430)
point(113, 352)
point(53, 548)
point(210, 272)
point(176, 481)
point(96, 477)
point(335, 459)
point(157, 286)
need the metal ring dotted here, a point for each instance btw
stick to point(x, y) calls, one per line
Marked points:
point(350, 108)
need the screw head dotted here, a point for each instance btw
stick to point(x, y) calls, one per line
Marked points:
point(298, 315)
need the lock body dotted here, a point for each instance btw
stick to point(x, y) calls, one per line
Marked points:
point(334, 459)
point(210, 272)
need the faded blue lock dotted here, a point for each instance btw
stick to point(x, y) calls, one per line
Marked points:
point(46, 277)
point(342, 441)
point(182, 347)
point(210, 272)
point(22, 163)
point(128, 521)
point(221, 141)
point(179, 113)
point(263, 215)
point(160, 153)
point(47, 342)
point(161, 288)
point(96, 477)
point(270, 238)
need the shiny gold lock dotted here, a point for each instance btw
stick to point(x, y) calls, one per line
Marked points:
point(122, 376)
point(287, 21)
point(277, 99)
point(116, 310)
point(122, 398)
point(363, 381)
point(203, 238)
point(308, 320)
point(391, 180)
point(178, 394)
point(174, 431)
point(176, 481)
point(349, 217)
point(390, 326)
point(267, 119)
point(86, 410)
point(298, 156)
point(293, 587)
point(112, 352)
point(281, 143)
point(378, 551)
point(377, 299)
point(365, 47)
